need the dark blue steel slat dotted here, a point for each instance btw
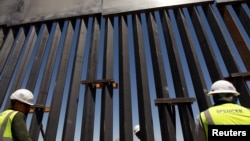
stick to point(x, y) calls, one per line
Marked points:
point(174, 60)
point(63, 65)
point(242, 86)
point(5, 49)
point(226, 53)
point(33, 76)
point(145, 113)
point(209, 57)
point(107, 90)
point(72, 102)
point(195, 71)
point(45, 84)
point(88, 113)
point(13, 59)
point(2, 36)
point(25, 60)
point(54, 114)
point(125, 108)
point(243, 16)
point(221, 39)
point(35, 124)
point(166, 122)
point(36, 66)
point(206, 45)
point(106, 131)
point(90, 92)
point(235, 33)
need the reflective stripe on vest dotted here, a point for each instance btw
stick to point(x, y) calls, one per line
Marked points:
point(225, 114)
point(6, 118)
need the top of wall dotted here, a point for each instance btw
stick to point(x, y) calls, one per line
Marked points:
point(14, 12)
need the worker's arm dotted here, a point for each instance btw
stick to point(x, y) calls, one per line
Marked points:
point(199, 131)
point(19, 128)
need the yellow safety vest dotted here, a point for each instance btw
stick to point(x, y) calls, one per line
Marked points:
point(6, 118)
point(225, 114)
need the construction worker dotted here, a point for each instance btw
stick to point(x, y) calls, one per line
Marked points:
point(137, 131)
point(225, 110)
point(13, 120)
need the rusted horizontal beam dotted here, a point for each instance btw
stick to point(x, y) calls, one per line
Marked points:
point(100, 83)
point(39, 107)
point(244, 75)
point(174, 101)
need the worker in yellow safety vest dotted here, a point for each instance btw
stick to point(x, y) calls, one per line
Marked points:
point(225, 110)
point(13, 120)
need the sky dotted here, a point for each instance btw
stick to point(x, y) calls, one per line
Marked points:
point(132, 68)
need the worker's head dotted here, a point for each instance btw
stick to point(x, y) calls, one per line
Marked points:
point(21, 100)
point(223, 90)
point(137, 131)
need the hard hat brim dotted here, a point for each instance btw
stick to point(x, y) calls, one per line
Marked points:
point(136, 131)
point(31, 104)
point(17, 99)
point(223, 91)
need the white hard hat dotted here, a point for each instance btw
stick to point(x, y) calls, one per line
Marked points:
point(136, 129)
point(223, 86)
point(23, 95)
